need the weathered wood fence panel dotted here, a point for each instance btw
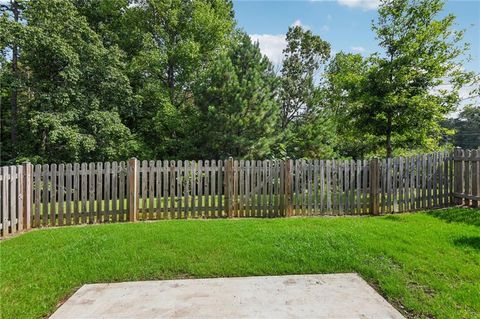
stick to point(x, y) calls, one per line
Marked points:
point(467, 177)
point(15, 198)
point(414, 183)
point(329, 186)
point(79, 193)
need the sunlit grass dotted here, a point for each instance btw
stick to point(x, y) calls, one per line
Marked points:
point(425, 264)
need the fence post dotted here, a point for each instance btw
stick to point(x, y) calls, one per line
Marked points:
point(457, 175)
point(374, 186)
point(27, 195)
point(4, 201)
point(229, 187)
point(475, 157)
point(133, 189)
point(288, 187)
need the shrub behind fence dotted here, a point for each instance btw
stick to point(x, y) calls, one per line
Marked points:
point(66, 194)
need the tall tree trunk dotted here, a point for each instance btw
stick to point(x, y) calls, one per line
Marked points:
point(390, 111)
point(171, 81)
point(14, 94)
point(14, 100)
point(284, 119)
point(171, 91)
point(389, 135)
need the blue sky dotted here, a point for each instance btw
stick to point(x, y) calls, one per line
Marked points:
point(346, 24)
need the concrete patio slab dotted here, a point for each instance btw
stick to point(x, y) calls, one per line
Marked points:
point(301, 296)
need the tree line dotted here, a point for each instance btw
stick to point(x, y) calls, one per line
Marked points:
point(99, 80)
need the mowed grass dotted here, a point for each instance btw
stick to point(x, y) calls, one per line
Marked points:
point(426, 264)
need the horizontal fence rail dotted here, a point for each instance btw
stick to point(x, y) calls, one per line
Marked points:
point(69, 194)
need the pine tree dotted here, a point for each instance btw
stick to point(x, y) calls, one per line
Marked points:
point(238, 111)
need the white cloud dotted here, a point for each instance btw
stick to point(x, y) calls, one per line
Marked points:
point(358, 49)
point(271, 45)
point(298, 23)
point(466, 94)
point(363, 4)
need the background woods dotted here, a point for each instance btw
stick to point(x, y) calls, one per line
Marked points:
point(91, 80)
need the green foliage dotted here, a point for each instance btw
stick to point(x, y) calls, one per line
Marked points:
point(98, 80)
point(346, 77)
point(466, 127)
point(179, 41)
point(74, 84)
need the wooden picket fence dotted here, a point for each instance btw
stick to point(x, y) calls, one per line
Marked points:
point(69, 194)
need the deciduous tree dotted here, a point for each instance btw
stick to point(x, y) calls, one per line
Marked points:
point(304, 121)
point(399, 99)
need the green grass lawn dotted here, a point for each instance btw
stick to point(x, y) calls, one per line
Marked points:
point(426, 264)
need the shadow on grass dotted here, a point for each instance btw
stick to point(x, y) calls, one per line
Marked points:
point(473, 242)
point(470, 216)
point(394, 218)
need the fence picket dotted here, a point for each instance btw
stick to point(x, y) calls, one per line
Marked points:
point(206, 189)
point(383, 185)
point(68, 193)
point(106, 192)
point(115, 203)
point(441, 180)
point(91, 193)
point(475, 191)
point(143, 184)
point(429, 180)
point(37, 184)
point(345, 182)
point(158, 189)
point(186, 184)
point(239, 180)
point(192, 188)
point(122, 191)
point(322, 186)
point(76, 194)
point(98, 193)
point(406, 183)
point(165, 191)
point(53, 194)
point(19, 199)
point(13, 217)
point(45, 194)
point(466, 165)
point(221, 186)
point(172, 178)
point(151, 190)
point(328, 185)
point(61, 193)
